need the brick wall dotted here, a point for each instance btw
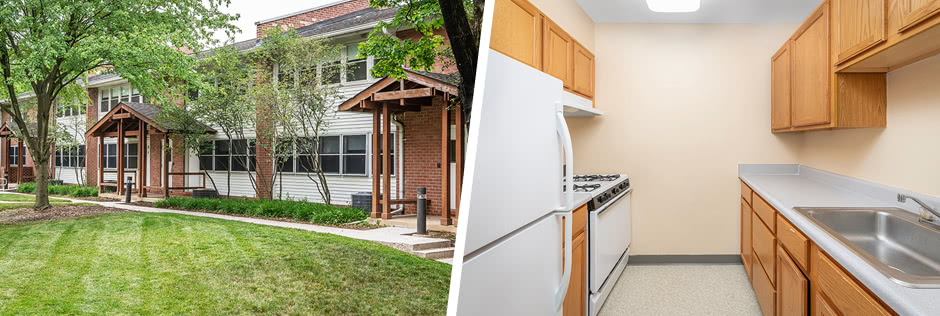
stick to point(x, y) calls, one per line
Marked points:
point(314, 16)
point(422, 150)
point(91, 143)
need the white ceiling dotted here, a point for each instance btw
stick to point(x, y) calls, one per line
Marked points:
point(711, 11)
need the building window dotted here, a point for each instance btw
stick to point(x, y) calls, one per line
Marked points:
point(216, 156)
point(331, 72)
point(355, 66)
point(354, 154)
point(66, 111)
point(109, 97)
point(81, 156)
point(130, 156)
point(12, 157)
point(330, 154)
point(71, 156)
point(110, 156)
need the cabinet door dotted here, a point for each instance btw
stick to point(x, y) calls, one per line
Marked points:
point(576, 299)
point(583, 71)
point(517, 31)
point(792, 287)
point(557, 50)
point(811, 71)
point(821, 306)
point(859, 25)
point(780, 88)
point(746, 237)
point(845, 295)
point(912, 12)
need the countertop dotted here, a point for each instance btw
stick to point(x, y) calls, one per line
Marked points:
point(789, 186)
point(580, 198)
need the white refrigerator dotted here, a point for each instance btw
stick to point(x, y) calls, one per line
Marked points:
point(508, 258)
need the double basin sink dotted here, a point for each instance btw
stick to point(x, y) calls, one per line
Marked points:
point(890, 239)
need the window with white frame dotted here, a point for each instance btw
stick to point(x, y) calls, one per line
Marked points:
point(356, 67)
point(13, 155)
point(69, 110)
point(350, 67)
point(217, 156)
point(110, 156)
point(339, 155)
point(109, 97)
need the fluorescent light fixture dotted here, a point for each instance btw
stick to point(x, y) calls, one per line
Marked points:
point(672, 6)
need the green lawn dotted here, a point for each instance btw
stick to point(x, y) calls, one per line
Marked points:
point(141, 263)
point(25, 198)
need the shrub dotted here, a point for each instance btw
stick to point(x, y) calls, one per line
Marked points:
point(301, 210)
point(28, 187)
point(70, 190)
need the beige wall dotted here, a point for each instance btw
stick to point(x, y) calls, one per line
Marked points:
point(906, 154)
point(683, 105)
point(570, 17)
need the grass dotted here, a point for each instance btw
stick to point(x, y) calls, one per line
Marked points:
point(69, 190)
point(300, 210)
point(143, 263)
point(13, 206)
point(25, 198)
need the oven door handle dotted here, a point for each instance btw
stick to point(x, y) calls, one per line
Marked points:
point(617, 198)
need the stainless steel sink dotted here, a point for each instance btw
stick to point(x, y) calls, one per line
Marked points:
point(890, 239)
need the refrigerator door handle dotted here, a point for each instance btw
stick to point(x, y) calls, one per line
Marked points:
point(565, 211)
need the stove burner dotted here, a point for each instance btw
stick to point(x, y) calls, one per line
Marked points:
point(586, 187)
point(596, 177)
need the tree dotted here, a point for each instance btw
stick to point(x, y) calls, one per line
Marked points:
point(48, 46)
point(298, 99)
point(462, 19)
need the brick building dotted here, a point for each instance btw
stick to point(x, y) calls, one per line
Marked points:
point(415, 136)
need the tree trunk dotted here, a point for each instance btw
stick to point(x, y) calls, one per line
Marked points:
point(465, 45)
point(42, 186)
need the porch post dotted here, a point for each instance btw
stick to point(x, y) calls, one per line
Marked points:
point(100, 162)
point(6, 156)
point(20, 161)
point(386, 166)
point(120, 157)
point(166, 166)
point(458, 151)
point(375, 163)
point(141, 159)
point(445, 166)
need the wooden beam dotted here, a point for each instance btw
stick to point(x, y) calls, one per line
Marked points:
point(120, 157)
point(141, 159)
point(459, 152)
point(365, 94)
point(120, 116)
point(369, 105)
point(375, 162)
point(166, 165)
point(386, 164)
point(100, 162)
point(20, 161)
point(403, 94)
point(6, 159)
point(126, 133)
point(445, 167)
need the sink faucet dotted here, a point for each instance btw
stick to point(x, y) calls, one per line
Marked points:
point(925, 217)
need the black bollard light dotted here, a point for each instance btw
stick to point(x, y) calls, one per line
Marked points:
point(422, 211)
point(127, 190)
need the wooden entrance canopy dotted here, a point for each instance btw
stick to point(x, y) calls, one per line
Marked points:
point(7, 130)
point(417, 91)
point(140, 120)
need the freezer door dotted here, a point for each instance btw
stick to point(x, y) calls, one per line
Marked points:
point(514, 164)
point(515, 276)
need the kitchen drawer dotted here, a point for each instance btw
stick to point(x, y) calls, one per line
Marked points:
point(764, 244)
point(793, 241)
point(764, 289)
point(764, 211)
point(579, 223)
point(746, 193)
point(844, 293)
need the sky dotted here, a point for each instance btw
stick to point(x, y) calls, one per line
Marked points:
point(257, 10)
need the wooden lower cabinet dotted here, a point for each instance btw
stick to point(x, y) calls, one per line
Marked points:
point(792, 286)
point(576, 298)
point(792, 276)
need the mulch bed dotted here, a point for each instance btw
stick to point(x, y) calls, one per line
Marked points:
point(281, 219)
point(22, 215)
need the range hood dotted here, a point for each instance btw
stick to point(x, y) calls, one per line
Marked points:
point(577, 106)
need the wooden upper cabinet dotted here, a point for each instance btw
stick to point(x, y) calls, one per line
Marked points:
point(517, 31)
point(557, 51)
point(792, 287)
point(858, 25)
point(811, 71)
point(583, 71)
point(780, 88)
point(912, 12)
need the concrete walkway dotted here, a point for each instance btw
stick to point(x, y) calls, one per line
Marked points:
point(395, 237)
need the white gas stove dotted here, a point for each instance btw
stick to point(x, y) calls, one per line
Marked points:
point(608, 232)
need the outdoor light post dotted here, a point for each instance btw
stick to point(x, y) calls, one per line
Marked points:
point(127, 190)
point(422, 211)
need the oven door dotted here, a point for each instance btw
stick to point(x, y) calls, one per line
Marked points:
point(609, 238)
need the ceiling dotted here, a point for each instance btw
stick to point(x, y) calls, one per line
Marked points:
point(711, 11)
